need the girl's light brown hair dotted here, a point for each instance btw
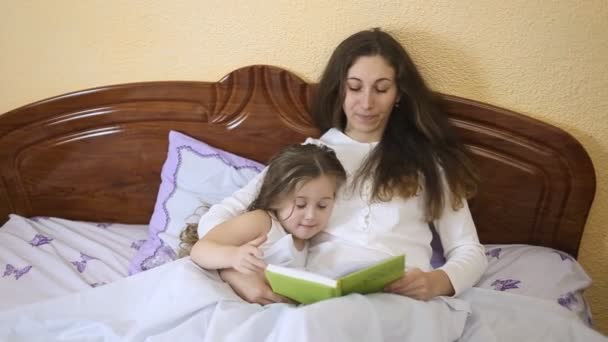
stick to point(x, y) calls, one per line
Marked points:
point(286, 171)
point(292, 166)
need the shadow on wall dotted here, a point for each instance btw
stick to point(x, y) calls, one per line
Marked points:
point(596, 148)
point(445, 65)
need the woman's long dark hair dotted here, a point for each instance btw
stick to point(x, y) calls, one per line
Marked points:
point(418, 140)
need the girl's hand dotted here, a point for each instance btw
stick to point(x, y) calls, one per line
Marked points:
point(422, 285)
point(252, 288)
point(247, 258)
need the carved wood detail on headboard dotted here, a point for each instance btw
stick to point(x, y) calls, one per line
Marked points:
point(538, 182)
point(96, 154)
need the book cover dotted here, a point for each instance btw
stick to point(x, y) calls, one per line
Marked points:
point(307, 287)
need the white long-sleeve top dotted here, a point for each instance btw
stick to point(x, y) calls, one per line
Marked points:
point(361, 231)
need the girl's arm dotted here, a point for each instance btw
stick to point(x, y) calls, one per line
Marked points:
point(234, 243)
point(251, 287)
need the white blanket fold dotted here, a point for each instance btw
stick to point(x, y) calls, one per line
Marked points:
point(179, 301)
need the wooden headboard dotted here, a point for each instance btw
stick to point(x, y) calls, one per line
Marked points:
point(97, 154)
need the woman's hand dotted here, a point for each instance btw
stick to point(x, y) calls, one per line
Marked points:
point(422, 285)
point(247, 258)
point(251, 287)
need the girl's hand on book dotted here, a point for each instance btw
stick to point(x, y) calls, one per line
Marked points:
point(247, 258)
point(422, 285)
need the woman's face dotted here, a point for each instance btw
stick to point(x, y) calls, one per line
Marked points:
point(371, 93)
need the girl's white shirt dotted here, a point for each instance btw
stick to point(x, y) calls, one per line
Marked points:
point(361, 231)
point(279, 248)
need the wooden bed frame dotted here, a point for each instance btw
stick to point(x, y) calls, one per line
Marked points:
point(96, 154)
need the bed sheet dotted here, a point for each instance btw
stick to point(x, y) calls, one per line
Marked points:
point(192, 304)
point(44, 257)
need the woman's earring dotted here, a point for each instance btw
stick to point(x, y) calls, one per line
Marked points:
point(397, 104)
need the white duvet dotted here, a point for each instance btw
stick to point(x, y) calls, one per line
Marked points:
point(180, 302)
point(43, 257)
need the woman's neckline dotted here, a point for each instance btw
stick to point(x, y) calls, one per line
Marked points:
point(353, 140)
point(360, 142)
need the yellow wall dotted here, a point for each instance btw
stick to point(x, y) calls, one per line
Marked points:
point(545, 59)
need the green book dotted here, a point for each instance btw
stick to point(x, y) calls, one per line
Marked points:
point(307, 287)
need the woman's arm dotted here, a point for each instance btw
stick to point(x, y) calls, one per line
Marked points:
point(422, 285)
point(465, 256)
point(234, 244)
point(466, 260)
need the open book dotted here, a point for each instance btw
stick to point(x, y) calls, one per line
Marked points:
point(307, 287)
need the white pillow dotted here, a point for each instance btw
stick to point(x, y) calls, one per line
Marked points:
point(539, 272)
point(194, 176)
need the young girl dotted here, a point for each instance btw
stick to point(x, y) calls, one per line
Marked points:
point(294, 203)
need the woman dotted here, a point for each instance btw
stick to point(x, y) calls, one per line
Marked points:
point(406, 169)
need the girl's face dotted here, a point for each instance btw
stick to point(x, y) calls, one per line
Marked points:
point(371, 93)
point(306, 211)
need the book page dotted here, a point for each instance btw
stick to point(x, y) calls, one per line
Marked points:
point(353, 267)
point(374, 278)
point(302, 274)
point(335, 259)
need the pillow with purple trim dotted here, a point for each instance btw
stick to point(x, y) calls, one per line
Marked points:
point(539, 272)
point(194, 176)
point(531, 271)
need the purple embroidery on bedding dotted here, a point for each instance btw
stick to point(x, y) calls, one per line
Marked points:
point(82, 264)
point(567, 300)
point(103, 225)
point(494, 253)
point(137, 244)
point(98, 284)
point(221, 156)
point(40, 240)
point(39, 218)
point(587, 314)
point(564, 256)
point(152, 251)
point(162, 255)
point(507, 284)
point(10, 269)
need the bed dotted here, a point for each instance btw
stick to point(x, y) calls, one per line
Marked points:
point(81, 174)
